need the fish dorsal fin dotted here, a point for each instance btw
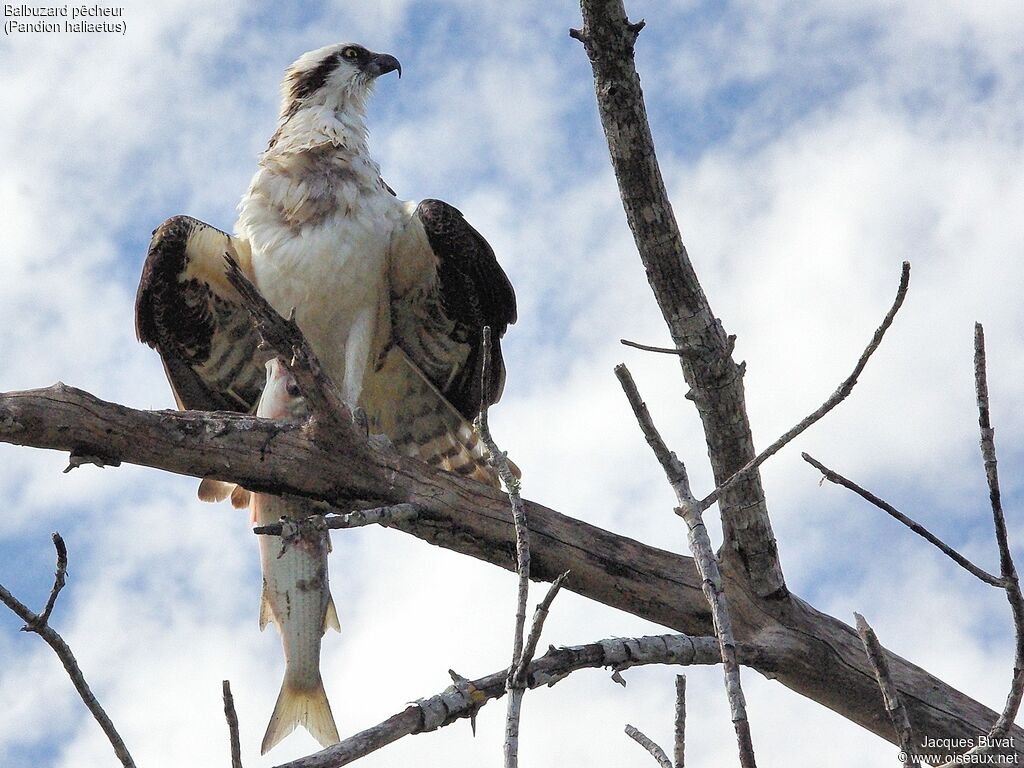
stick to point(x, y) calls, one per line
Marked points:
point(331, 616)
point(266, 611)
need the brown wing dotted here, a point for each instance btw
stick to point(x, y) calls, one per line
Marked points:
point(440, 327)
point(189, 313)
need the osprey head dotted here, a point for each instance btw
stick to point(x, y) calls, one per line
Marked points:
point(338, 76)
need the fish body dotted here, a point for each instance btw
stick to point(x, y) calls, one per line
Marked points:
point(296, 593)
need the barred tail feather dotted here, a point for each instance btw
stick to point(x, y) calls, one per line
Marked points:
point(404, 405)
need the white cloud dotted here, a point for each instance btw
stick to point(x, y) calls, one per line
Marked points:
point(865, 142)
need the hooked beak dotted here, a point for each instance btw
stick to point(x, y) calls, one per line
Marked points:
point(381, 64)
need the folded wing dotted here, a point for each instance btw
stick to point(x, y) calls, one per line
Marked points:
point(446, 286)
point(189, 313)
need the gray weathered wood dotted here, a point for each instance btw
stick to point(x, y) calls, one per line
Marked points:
point(813, 653)
point(705, 350)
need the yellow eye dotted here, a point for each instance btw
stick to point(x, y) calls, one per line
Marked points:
point(350, 53)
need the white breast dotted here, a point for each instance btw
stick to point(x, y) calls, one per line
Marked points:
point(319, 223)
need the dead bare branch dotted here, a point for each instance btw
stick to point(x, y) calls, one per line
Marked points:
point(834, 477)
point(656, 752)
point(890, 696)
point(330, 412)
point(232, 719)
point(680, 731)
point(648, 348)
point(540, 614)
point(841, 393)
point(465, 697)
point(704, 348)
point(679, 751)
point(383, 516)
point(674, 469)
point(1007, 579)
point(706, 562)
point(499, 461)
point(825, 658)
point(1007, 570)
point(59, 579)
point(35, 623)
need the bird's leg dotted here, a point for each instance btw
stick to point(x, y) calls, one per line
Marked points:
point(357, 358)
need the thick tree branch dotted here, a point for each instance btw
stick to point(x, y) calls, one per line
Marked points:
point(704, 348)
point(824, 659)
point(466, 697)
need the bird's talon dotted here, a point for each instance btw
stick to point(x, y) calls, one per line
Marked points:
point(361, 421)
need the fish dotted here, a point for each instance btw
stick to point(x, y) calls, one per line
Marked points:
point(296, 592)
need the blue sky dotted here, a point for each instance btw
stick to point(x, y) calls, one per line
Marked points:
point(809, 149)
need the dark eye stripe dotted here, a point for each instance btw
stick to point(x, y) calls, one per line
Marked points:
point(313, 80)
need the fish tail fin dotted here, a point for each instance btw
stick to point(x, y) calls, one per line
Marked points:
point(308, 708)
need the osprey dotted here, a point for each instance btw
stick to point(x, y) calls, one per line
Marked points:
point(392, 296)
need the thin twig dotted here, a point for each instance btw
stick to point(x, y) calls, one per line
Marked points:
point(834, 477)
point(33, 623)
point(1007, 579)
point(680, 730)
point(656, 752)
point(497, 459)
point(707, 566)
point(659, 350)
point(464, 698)
point(674, 468)
point(540, 614)
point(1006, 567)
point(841, 393)
point(232, 718)
point(59, 577)
point(384, 516)
point(705, 559)
point(890, 694)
